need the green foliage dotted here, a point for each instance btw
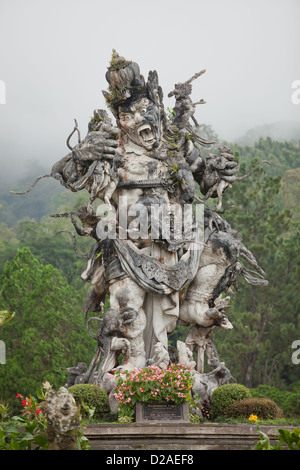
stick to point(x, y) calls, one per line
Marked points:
point(44, 241)
point(263, 408)
point(179, 333)
point(223, 396)
point(288, 401)
point(171, 114)
point(41, 235)
point(125, 419)
point(93, 397)
point(4, 411)
point(286, 440)
point(290, 196)
point(28, 431)
point(194, 418)
point(47, 334)
point(290, 438)
point(35, 204)
point(24, 434)
point(265, 319)
point(282, 155)
point(152, 384)
point(6, 316)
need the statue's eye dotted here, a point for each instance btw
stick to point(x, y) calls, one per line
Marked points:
point(143, 111)
point(127, 117)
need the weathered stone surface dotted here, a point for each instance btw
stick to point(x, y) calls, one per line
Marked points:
point(168, 436)
point(63, 420)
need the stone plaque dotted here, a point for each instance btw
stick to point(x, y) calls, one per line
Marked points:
point(162, 412)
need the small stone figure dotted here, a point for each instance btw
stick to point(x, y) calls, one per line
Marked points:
point(63, 420)
point(204, 384)
point(161, 357)
point(185, 355)
point(75, 374)
point(199, 340)
point(217, 164)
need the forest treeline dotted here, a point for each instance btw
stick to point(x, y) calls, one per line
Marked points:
point(40, 277)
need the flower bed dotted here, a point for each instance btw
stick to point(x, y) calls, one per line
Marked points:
point(152, 384)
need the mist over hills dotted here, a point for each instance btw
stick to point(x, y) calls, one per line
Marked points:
point(283, 131)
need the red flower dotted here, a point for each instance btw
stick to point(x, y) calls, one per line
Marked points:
point(38, 411)
point(19, 396)
point(25, 403)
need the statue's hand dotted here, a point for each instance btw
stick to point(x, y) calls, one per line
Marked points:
point(228, 173)
point(101, 141)
point(219, 168)
point(228, 167)
point(128, 315)
point(97, 145)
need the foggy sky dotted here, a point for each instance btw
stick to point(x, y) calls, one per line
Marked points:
point(54, 55)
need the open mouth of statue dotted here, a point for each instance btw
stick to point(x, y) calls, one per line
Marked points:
point(146, 135)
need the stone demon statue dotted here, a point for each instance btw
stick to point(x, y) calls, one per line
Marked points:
point(161, 254)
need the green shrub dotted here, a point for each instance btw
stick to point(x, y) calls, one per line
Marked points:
point(263, 408)
point(223, 396)
point(195, 418)
point(125, 419)
point(92, 396)
point(289, 402)
point(4, 411)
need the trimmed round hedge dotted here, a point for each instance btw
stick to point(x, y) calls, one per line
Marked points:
point(263, 408)
point(225, 395)
point(93, 397)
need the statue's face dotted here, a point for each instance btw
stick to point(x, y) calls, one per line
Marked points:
point(141, 122)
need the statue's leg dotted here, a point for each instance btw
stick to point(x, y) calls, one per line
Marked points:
point(125, 293)
point(213, 277)
point(127, 297)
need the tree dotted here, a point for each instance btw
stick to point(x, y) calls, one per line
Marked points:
point(264, 318)
point(48, 332)
point(45, 241)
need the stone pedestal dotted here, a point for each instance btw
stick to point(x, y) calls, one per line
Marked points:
point(162, 412)
point(153, 436)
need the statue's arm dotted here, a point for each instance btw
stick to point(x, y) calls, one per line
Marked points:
point(207, 173)
point(87, 158)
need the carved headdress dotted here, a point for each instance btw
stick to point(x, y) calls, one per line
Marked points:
point(126, 84)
